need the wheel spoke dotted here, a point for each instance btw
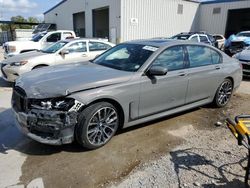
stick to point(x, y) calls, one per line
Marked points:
point(102, 125)
point(224, 93)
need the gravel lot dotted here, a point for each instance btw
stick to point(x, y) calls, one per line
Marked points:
point(185, 150)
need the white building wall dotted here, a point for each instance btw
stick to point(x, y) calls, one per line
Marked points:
point(114, 15)
point(64, 18)
point(216, 23)
point(62, 15)
point(156, 18)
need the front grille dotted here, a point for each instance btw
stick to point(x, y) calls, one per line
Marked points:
point(2, 66)
point(19, 100)
point(245, 66)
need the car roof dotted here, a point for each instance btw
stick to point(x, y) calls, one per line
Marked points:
point(85, 39)
point(163, 42)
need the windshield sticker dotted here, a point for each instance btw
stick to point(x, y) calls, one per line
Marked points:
point(150, 48)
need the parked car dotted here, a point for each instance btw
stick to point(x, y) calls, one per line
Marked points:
point(39, 41)
point(66, 51)
point(131, 83)
point(197, 37)
point(221, 40)
point(244, 58)
point(236, 43)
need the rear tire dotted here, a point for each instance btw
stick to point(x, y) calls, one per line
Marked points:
point(97, 124)
point(223, 93)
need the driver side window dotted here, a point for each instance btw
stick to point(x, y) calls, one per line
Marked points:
point(77, 47)
point(172, 58)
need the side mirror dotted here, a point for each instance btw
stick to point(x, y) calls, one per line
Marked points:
point(157, 71)
point(64, 52)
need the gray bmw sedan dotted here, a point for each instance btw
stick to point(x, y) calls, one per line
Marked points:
point(131, 83)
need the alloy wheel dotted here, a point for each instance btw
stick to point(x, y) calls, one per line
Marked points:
point(102, 126)
point(225, 92)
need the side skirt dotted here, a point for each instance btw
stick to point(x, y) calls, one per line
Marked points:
point(167, 113)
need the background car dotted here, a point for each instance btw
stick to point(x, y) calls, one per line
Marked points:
point(131, 83)
point(244, 58)
point(236, 43)
point(197, 37)
point(38, 42)
point(221, 40)
point(66, 51)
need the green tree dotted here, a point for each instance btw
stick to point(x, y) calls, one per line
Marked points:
point(32, 20)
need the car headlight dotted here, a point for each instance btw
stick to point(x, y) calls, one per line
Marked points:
point(20, 63)
point(61, 104)
point(11, 48)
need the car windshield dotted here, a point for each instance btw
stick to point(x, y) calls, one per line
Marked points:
point(180, 37)
point(38, 37)
point(243, 34)
point(54, 47)
point(125, 57)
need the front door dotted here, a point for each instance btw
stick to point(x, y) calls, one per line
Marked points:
point(76, 52)
point(161, 93)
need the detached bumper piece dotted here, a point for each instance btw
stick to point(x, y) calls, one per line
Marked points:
point(48, 127)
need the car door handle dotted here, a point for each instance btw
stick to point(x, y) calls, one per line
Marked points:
point(182, 74)
point(84, 55)
point(217, 68)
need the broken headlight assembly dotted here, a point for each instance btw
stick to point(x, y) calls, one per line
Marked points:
point(60, 104)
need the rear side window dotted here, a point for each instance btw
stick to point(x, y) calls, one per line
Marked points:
point(216, 58)
point(54, 37)
point(194, 38)
point(172, 58)
point(217, 37)
point(202, 56)
point(203, 39)
point(98, 46)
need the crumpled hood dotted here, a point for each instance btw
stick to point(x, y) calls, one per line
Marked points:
point(244, 39)
point(25, 56)
point(244, 55)
point(234, 38)
point(57, 81)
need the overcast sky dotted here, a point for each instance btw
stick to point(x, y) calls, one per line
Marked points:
point(25, 8)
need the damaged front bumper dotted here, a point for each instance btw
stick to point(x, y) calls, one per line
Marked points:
point(48, 126)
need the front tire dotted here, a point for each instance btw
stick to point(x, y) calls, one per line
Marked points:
point(223, 93)
point(97, 124)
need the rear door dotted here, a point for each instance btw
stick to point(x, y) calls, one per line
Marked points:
point(161, 93)
point(204, 72)
point(96, 48)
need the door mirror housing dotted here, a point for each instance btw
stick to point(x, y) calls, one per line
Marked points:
point(157, 71)
point(64, 52)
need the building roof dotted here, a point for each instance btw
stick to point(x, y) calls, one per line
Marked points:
point(196, 1)
point(214, 1)
point(52, 8)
